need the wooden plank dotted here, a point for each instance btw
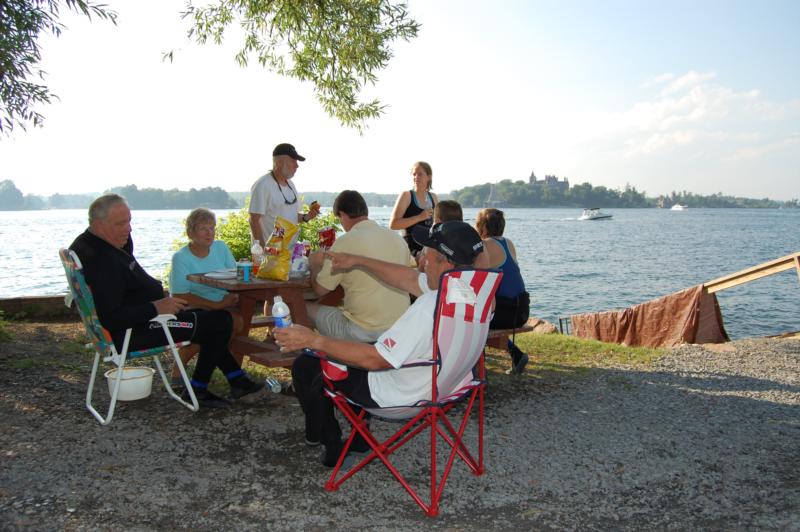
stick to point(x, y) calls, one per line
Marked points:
point(264, 353)
point(274, 360)
point(262, 321)
point(756, 272)
point(499, 333)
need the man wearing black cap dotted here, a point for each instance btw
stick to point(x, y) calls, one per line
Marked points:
point(447, 245)
point(273, 195)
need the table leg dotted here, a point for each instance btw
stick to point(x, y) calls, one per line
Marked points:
point(297, 305)
point(246, 306)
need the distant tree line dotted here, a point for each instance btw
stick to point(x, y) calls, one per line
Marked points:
point(157, 198)
point(509, 193)
point(506, 193)
point(11, 199)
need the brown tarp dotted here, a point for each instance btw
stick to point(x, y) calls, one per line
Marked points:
point(686, 317)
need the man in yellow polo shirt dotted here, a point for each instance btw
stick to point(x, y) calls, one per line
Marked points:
point(370, 306)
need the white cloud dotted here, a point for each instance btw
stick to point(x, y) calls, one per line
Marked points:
point(687, 81)
point(756, 151)
point(658, 80)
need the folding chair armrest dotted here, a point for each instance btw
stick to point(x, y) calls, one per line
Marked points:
point(164, 318)
point(322, 355)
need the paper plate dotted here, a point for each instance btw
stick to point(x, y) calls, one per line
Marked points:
point(222, 274)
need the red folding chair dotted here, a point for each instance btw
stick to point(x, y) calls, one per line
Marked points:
point(461, 324)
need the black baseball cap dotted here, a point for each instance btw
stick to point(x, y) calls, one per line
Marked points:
point(287, 149)
point(458, 241)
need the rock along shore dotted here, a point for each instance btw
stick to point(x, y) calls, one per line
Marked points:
point(701, 439)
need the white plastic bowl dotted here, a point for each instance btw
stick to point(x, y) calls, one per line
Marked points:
point(136, 383)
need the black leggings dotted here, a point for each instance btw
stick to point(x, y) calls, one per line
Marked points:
point(211, 329)
point(511, 312)
point(321, 424)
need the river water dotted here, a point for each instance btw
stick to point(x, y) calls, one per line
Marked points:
point(569, 266)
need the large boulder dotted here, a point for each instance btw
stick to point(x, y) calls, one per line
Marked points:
point(541, 326)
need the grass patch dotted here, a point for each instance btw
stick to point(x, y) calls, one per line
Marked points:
point(5, 334)
point(34, 363)
point(75, 347)
point(569, 355)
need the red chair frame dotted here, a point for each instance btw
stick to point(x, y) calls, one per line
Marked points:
point(431, 414)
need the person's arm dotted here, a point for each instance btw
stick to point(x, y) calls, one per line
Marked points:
point(315, 262)
point(397, 221)
point(351, 353)
point(395, 275)
point(255, 228)
point(195, 301)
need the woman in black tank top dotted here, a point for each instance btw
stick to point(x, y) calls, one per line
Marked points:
point(415, 207)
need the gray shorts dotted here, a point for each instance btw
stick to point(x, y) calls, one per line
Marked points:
point(332, 322)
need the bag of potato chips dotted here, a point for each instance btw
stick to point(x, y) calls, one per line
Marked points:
point(278, 251)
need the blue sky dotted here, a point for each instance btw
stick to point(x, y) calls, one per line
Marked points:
point(700, 96)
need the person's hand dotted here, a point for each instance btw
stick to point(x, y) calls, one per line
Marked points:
point(169, 305)
point(426, 214)
point(315, 259)
point(230, 300)
point(342, 261)
point(294, 337)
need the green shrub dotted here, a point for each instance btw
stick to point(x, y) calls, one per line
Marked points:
point(234, 229)
point(309, 231)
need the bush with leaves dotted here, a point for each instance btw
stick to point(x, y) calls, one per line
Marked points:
point(21, 22)
point(234, 229)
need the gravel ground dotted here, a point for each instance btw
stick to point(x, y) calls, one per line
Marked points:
point(704, 438)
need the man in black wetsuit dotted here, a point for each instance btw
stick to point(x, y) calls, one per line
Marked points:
point(126, 297)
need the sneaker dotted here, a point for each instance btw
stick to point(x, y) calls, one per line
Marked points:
point(518, 360)
point(244, 385)
point(359, 446)
point(205, 398)
point(330, 454)
point(358, 450)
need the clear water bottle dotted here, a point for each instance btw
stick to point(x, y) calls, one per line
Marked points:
point(280, 313)
point(272, 385)
point(257, 253)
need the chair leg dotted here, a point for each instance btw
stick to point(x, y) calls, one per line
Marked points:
point(89, 392)
point(194, 406)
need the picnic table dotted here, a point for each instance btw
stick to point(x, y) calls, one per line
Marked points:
point(255, 291)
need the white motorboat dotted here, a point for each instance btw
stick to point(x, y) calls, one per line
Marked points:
point(594, 213)
point(679, 207)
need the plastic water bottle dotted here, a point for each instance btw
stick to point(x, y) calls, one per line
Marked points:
point(257, 253)
point(272, 385)
point(280, 313)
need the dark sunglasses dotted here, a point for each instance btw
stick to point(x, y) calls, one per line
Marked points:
point(284, 195)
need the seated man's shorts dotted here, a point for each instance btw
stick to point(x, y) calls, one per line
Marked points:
point(332, 322)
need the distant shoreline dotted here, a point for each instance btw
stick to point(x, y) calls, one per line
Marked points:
point(329, 206)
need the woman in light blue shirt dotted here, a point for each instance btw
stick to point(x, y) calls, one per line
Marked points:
point(202, 254)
